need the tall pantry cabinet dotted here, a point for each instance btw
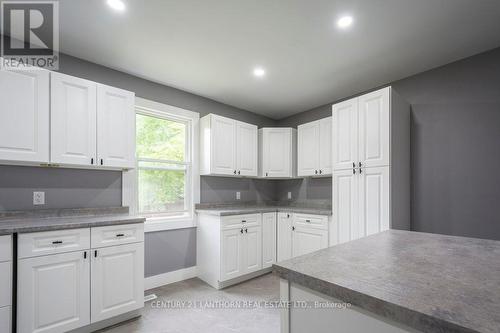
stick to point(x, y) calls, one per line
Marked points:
point(371, 165)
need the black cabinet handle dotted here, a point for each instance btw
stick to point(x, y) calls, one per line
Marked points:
point(241, 230)
point(246, 230)
point(308, 221)
point(353, 171)
point(267, 174)
point(234, 172)
point(320, 172)
point(353, 164)
point(84, 254)
point(243, 221)
point(360, 171)
point(92, 161)
point(360, 164)
point(57, 242)
point(316, 172)
point(287, 216)
point(239, 172)
point(102, 161)
point(293, 228)
point(95, 253)
point(120, 235)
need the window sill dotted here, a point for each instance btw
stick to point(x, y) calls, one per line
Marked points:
point(154, 224)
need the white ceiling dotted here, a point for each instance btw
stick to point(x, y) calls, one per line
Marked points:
point(210, 47)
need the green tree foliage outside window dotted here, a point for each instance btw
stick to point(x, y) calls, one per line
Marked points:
point(161, 181)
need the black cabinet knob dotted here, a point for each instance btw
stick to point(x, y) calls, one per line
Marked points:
point(241, 230)
point(293, 228)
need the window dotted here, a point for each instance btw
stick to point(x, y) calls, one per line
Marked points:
point(163, 169)
point(165, 185)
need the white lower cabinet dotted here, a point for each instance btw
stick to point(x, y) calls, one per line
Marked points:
point(117, 284)
point(284, 245)
point(231, 256)
point(58, 292)
point(252, 249)
point(5, 283)
point(53, 293)
point(268, 239)
point(299, 234)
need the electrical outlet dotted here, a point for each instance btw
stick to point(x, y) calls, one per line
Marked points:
point(238, 195)
point(289, 195)
point(38, 198)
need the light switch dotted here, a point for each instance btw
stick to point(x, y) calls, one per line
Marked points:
point(38, 198)
point(289, 195)
point(238, 195)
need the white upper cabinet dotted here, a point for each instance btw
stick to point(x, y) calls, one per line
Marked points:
point(115, 127)
point(73, 120)
point(24, 116)
point(345, 134)
point(314, 145)
point(374, 128)
point(228, 147)
point(246, 149)
point(277, 149)
point(308, 149)
point(53, 118)
point(325, 146)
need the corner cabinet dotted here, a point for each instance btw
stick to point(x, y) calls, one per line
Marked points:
point(24, 116)
point(277, 152)
point(314, 148)
point(66, 282)
point(371, 162)
point(228, 147)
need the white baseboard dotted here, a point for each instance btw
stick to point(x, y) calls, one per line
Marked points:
point(170, 277)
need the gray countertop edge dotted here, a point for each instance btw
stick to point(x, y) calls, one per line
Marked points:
point(402, 315)
point(66, 223)
point(256, 210)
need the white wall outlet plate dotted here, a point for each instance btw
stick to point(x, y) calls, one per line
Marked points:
point(289, 195)
point(238, 195)
point(38, 198)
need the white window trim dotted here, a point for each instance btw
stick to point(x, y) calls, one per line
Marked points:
point(129, 189)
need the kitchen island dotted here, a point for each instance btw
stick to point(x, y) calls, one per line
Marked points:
point(394, 281)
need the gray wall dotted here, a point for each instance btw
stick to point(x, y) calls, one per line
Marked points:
point(455, 146)
point(223, 190)
point(64, 188)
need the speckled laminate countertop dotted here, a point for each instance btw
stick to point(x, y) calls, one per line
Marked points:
point(47, 220)
point(240, 210)
point(430, 282)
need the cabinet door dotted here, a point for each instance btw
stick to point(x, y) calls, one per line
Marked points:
point(117, 282)
point(73, 120)
point(374, 128)
point(277, 146)
point(24, 116)
point(374, 214)
point(307, 240)
point(284, 236)
point(53, 293)
point(345, 134)
point(268, 239)
point(308, 147)
point(246, 149)
point(252, 249)
point(223, 145)
point(231, 255)
point(325, 146)
point(115, 127)
point(345, 205)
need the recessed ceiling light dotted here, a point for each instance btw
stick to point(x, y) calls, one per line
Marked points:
point(116, 5)
point(345, 22)
point(259, 72)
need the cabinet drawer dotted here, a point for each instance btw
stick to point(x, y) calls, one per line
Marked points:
point(5, 283)
point(117, 234)
point(5, 319)
point(239, 221)
point(5, 248)
point(51, 242)
point(311, 221)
